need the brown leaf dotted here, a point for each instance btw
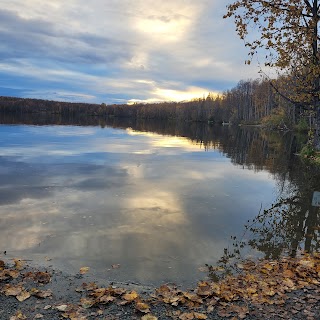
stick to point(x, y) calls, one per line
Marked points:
point(19, 264)
point(288, 273)
point(18, 316)
point(269, 292)
point(119, 291)
point(149, 317)
point(24, 295)
point(187, 316)
point(288, 283)
point(198, 315)
point(87, 303)
point(2, 265)
point(115, 266)
point(13, 273)
point(41, 293)
point(90, 286)
point(84, 270)
point(130, 296)
point(62, 307)
point(10, 290)
point(204, 289)
point(142, 307)
point(193, 297)
point(97, 293)
point(106, 299)
point(42, 277)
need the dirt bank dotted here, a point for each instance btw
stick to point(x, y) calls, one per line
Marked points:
point(288, 289)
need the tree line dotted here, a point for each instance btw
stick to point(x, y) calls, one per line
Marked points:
point(249, 102)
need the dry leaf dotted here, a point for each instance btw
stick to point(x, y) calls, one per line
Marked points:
point(19, 264)
point(84, 270)
point(41, 293)
point(42, 277)
point(18, 316)
point(10, 290)
point(115, 266)
point(62, 307)
point(13, 273)
point(107, 299)
point(187, 316)
point(142, 307)
point(130, 296)
point(198, 315)
point(24, 295)
point(87, 303)
point(149, 317)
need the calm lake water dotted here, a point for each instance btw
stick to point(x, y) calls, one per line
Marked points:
point(159, 201)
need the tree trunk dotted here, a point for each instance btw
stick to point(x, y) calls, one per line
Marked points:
point(316, 98)
point(317, 130)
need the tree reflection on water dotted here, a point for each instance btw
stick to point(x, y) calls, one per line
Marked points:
point(290, 225)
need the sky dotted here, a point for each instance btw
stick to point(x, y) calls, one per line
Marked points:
point(119, 51)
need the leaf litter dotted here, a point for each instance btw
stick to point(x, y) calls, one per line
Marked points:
point(262, 286)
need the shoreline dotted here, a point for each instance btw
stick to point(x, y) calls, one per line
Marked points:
point(288, 289)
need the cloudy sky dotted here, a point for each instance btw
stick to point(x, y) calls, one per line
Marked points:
point(118, 51)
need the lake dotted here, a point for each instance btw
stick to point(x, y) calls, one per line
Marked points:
point(152, 202)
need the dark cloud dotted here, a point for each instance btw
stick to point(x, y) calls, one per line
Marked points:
point(34, 38)
point(20, 180)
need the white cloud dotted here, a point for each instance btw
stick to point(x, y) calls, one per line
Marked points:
point(106, 47)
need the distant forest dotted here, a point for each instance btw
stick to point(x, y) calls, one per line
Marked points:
point(250, 102)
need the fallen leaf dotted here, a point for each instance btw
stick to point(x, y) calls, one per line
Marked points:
point(19, 264)
point(130, 296)
point(187, 316)
point(288, 273)
point(84, 270)
point(10, 290)
point(288, 283)
point(269, 292)
point(38, 316)
point(87, 303)
point(306, 263)
point(149, 317)
point(42, 277)
point(41, 293)
point(18, 316)
point(13, 273)
point(62, 307)
point(2, 265)
point(119, 291)
point(193, 297)
point(198, 315)
point(115, 266)
point(106, 299)
point(24, 295)
point(142, 307)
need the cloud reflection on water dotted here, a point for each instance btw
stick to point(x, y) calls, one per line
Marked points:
point(94, 199)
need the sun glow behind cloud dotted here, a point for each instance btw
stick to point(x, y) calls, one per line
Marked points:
point(97, 51)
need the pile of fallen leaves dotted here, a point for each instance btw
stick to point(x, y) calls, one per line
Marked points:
point(260, 283)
